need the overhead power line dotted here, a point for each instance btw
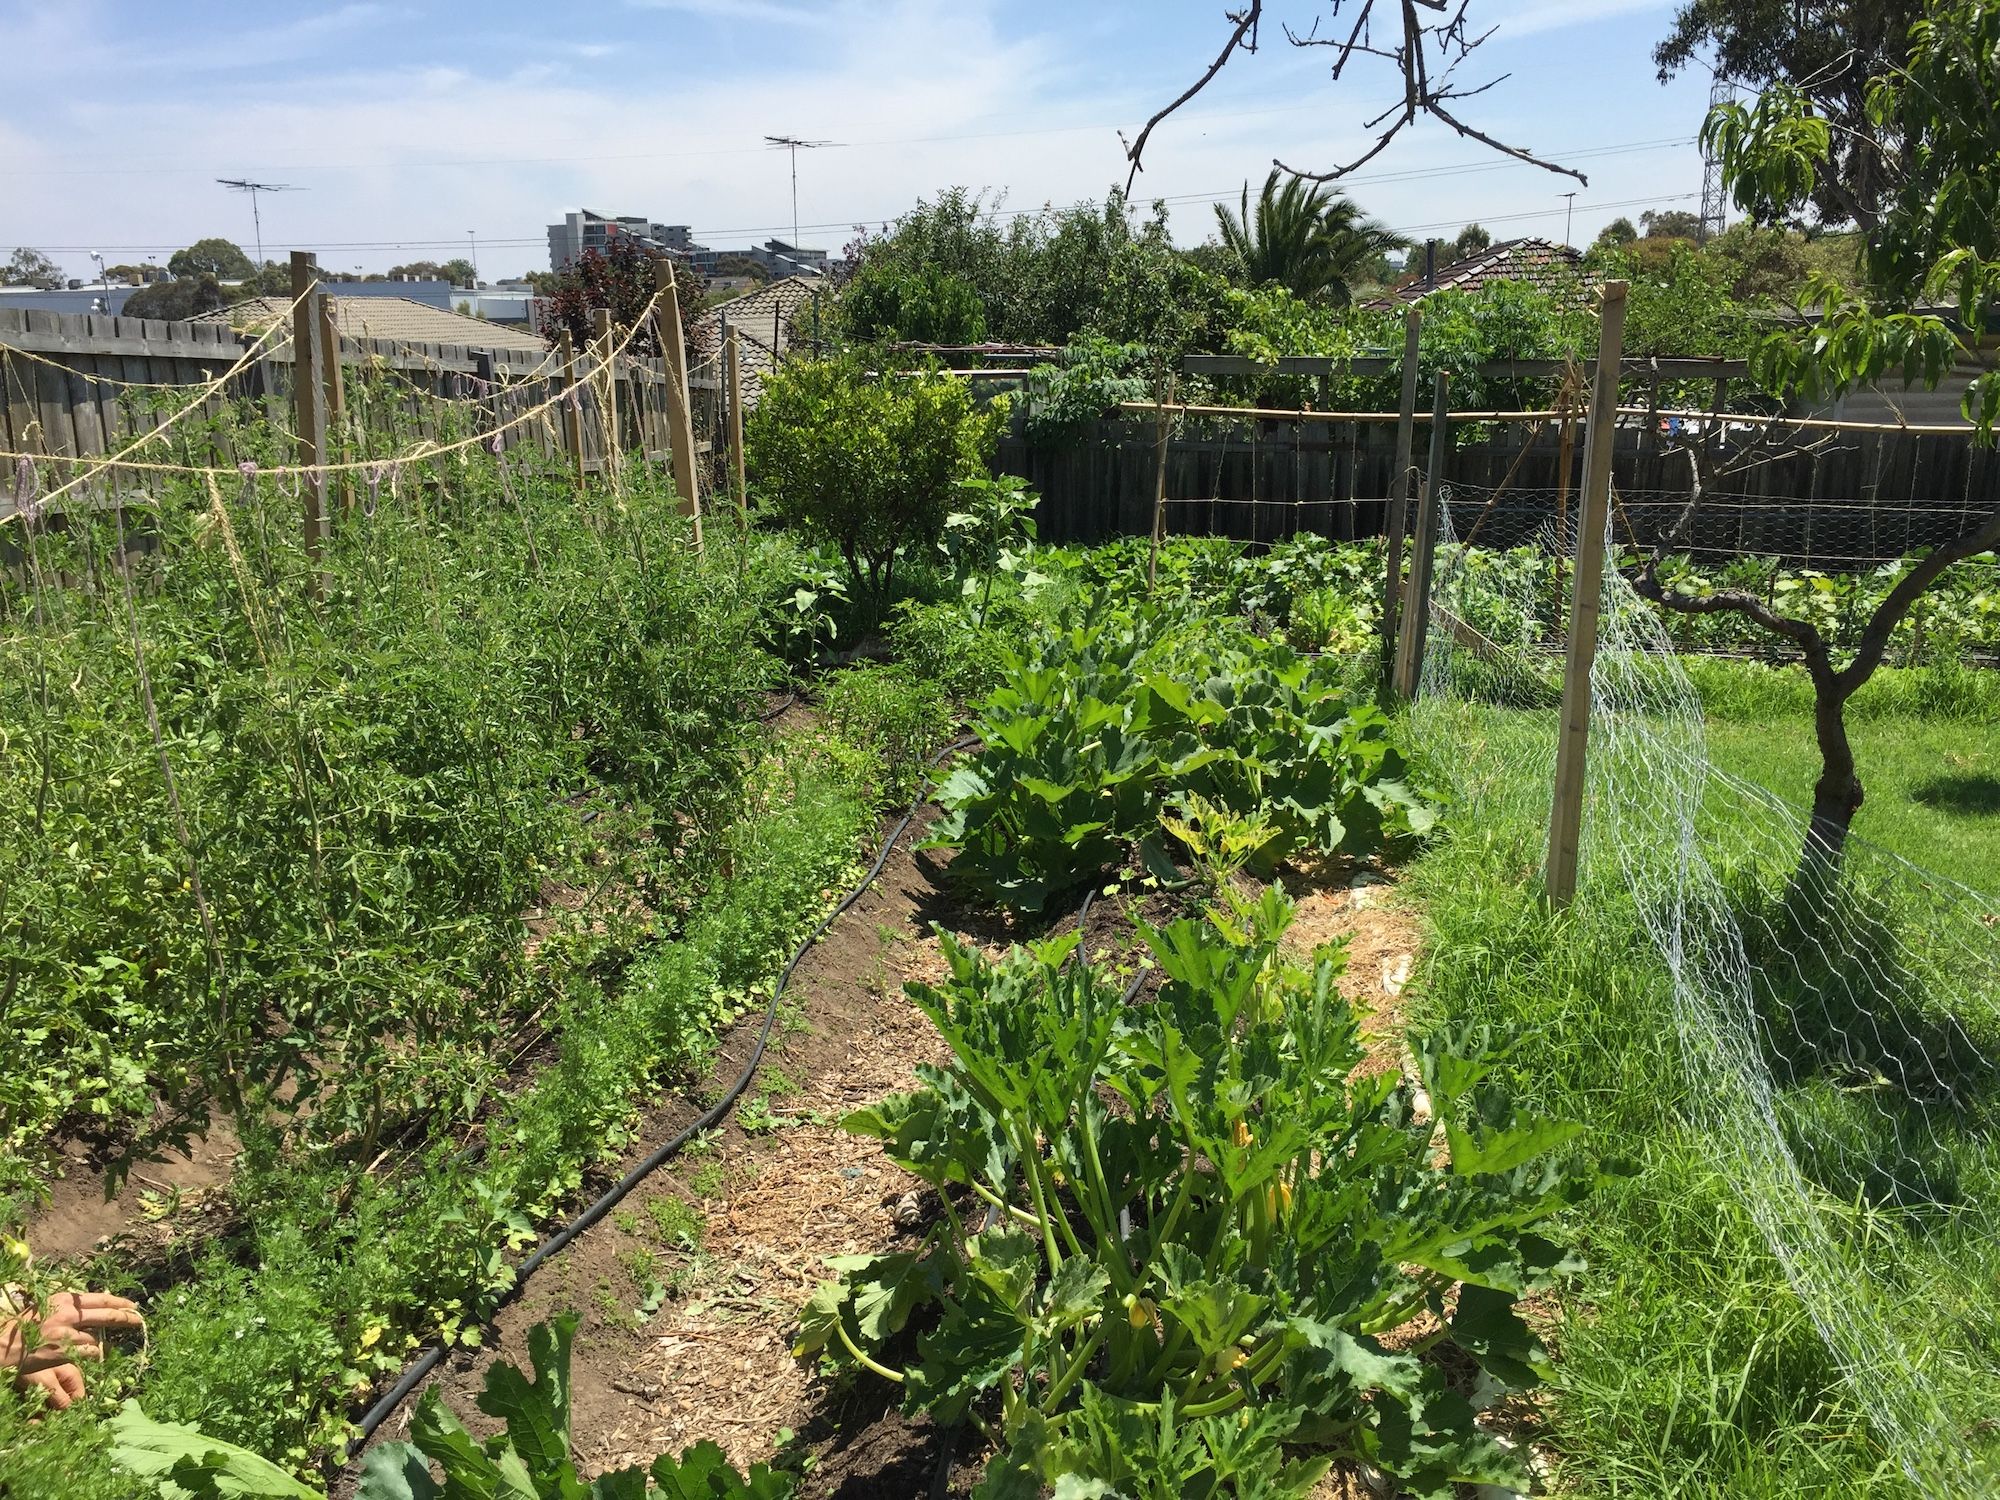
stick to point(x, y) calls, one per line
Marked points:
point(842, 224)
point(1446, 169)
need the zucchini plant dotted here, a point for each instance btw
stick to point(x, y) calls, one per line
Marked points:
point(1187, 1249)
point(1095, 731)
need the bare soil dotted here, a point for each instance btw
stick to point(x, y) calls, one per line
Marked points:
point(1383, 937)
point(778, 1189)
point(178, 1197)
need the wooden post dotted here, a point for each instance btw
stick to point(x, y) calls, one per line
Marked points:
point(680, 413)
point(1159, 491)
point(733, 359)
point(572, 407)
point(309, 411)
point(1399, 484)
point(333, 385)
point(1416, 606)
point(1600, 436)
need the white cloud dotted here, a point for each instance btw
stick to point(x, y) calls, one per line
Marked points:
point(927, 97)
point(1517, 21)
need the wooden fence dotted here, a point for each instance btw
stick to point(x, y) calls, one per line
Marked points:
point(83, 385)
point(1845, 500)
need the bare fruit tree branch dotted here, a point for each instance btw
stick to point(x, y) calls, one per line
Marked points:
point(1427, 51)
point(1243, 35)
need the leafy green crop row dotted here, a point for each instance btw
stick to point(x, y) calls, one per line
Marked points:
point(1217, 1259)
point(1097, 729)
point(528, 1459)
point(366, 793)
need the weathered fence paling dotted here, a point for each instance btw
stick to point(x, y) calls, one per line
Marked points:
point(1852, 501)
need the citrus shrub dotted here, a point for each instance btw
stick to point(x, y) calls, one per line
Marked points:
point(869, 465)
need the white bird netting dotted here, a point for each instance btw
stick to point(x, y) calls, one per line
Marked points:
point(1839, 1024)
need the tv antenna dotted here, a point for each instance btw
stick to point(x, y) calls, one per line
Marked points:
point(794, 145)
point(243, 185)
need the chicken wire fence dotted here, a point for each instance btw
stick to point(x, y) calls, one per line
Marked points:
point(1838, 1022)
point(1829, 564)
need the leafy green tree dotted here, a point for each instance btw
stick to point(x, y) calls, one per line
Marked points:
point(1471, 240)
point(1041, 278)
point(1828, 50)
point(869, 465)
point(1935, 236)
point(178, 300)
point(1670, 224)
point(458, 272)
point(1618, 232)
point(1684, 305)
point(1762, 263)
point(220, 258)
point(28, 267)
point(922, 304)
point(1310, 240)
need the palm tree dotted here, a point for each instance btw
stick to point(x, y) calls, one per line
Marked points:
point(1309, 239)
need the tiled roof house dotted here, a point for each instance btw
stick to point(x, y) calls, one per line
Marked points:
point(395, 318)
point(1552, 268)
point(763, 322)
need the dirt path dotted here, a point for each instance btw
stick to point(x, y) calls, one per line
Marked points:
point(689, 1293)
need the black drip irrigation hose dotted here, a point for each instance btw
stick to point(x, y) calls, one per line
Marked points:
point(414, 1376)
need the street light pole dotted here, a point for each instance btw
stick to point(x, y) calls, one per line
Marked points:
point(1569, 215)
point(474, 242)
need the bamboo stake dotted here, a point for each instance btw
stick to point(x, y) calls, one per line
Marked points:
point(733, 358)
point(309, 415)
point(572, 421)
point(680, 414)
point(1416, 617)
point(333, 386)
point(607, 376)
point(1159, 492)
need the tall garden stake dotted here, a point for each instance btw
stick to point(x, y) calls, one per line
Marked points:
point(1160, 490)
point(680, 410)
point(309, 414)
point(1416, 604)
point(733, 356)
point(1399, 486)
point(1594, 509)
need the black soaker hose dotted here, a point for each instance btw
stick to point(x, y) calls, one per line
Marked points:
point(412, 1377)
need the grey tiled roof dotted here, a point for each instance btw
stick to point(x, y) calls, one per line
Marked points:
point(1540, 263)
point(395, 318)
point(763, 322)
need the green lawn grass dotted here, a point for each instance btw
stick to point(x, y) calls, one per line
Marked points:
point(1688, 1367)
point(1933, 788)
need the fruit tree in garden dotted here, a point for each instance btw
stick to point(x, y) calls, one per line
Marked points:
point(1933, 243)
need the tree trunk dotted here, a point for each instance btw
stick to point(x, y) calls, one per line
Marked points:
point(1837, 794)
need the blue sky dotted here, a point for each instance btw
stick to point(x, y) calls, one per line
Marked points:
point(410, 123)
